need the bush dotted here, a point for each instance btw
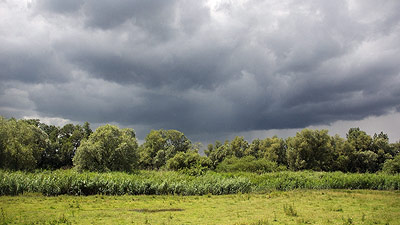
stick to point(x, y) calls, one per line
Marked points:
point(247, 164)
point(188, 160)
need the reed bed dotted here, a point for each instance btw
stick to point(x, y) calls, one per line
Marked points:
point(71, 182)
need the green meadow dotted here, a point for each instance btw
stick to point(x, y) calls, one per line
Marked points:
point(168, 197)
point(276, 207)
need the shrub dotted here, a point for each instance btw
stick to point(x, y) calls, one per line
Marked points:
point(247, 164)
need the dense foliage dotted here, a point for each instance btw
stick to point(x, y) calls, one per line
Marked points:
point(163, 182)
point(21, 145)
point(108, 149)
point(392, 165)
point(248, 164)
point(30, 144)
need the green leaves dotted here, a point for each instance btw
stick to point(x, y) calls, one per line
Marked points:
point(21, 144)
point(310, 149)
point(162, 145)
point(108, 149)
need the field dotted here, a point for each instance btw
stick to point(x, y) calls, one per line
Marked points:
point(277, 207)
point(162, 197)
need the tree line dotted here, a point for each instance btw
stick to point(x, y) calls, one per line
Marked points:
point(29, 144)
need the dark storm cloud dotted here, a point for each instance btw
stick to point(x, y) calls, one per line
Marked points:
point(30, 64)
point(203, 66)
point(158, 17)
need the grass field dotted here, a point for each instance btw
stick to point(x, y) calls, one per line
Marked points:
point(278, 207)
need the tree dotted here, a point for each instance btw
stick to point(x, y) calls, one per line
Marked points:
point(381, 146)
point(21, 144)
point(108, 149)
point(392, 166)
point(87, 130)
point(273, 149)
point(344, 154)
point(218, 152)
point(359, 139)
point(187, 160)
point(365, 159)
point(237, 147)
point(160, 146)
point(310, 149)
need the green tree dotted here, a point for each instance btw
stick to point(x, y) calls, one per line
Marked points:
point(359, 139)
point(238, 147)
point(392, 166)
point(365, 159)
point(382, 147)
point(310, 149)
point(87, 130)
point(344, 154)
point(21, 144)
point(218, 152)
point(187, 160)
point(273, 149)
point(64, 143)
point(160, 146)
point(108, 149)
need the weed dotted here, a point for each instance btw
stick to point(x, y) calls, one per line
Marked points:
point(289, 210)
point(303, 221)
point(275, 219)
point(3, 218)
point(337, 209)
point(347, 221)
point(61, 220)
point(260, 222)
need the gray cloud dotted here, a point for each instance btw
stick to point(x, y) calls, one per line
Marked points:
point(209, 69)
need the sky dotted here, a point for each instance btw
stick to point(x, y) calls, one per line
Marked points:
point(212, 69)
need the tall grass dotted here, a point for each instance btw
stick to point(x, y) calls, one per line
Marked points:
point(71, 182)
point(116, 183)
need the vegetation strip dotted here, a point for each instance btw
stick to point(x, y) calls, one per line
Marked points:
point(70, 182)
point(29, 144)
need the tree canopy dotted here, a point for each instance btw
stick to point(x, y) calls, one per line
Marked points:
point(28, 144)
point(108, 149)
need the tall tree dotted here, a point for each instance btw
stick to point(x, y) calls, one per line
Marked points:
point(108, 149)
point(310, 149)
point(21, 144)
point(365, 159)
point(160, 146)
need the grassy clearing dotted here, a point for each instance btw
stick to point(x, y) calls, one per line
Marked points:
point(278, 207)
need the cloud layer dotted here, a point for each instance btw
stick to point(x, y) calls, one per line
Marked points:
point(200, 67)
